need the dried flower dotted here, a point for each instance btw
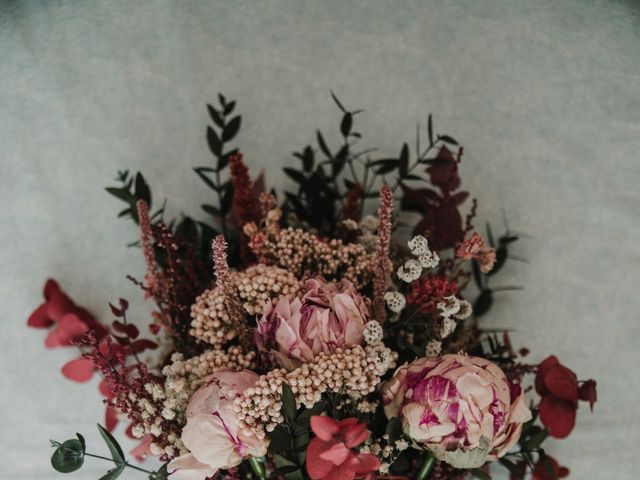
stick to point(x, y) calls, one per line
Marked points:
point(410, 271)
point(382, 263)
point(449, 306)
point(327, 317)
point(395, 301)
point(462, 409)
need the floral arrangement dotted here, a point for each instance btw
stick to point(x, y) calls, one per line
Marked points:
point(302, 337)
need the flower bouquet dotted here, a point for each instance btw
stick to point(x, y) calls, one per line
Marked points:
point(299, 336)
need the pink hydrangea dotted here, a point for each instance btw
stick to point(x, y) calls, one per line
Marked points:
point(463, 409)
point(327, 317)
point(212, 433)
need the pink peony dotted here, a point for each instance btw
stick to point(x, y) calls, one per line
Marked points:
point(327, 317)
point(461, 408)
point(212, 434)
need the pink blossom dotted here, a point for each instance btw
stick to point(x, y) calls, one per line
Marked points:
point(475, 248)
point(327, 317)
point(461, 408)
point(212, 433)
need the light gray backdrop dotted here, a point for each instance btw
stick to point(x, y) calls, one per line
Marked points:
point(545, 96)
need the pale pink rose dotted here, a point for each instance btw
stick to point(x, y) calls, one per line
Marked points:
point(212, 434)
point(327, 317)
point(461, 408)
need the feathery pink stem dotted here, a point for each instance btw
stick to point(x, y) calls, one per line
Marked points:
point(146, 241)
point(382, 263)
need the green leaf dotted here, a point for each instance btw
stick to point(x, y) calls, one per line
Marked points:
point(515, 470)
point(477, 473)
point(113, 473)
point(201, 173)
point(229, 107)
point(335, 99)
point(447, 139)
point(215, 145)
point(322, 144)
point(346, 124)
point(69, 456)
point(403, 160)
point(430, 130)
point(161, 474)
point(120, 193)
point(215, 116)
point(536, 440)
point(295, 175)
point(547, 464)
point(231, 129)
point(211, 210)
point(142, 189)
point(227, 200)
point(288, 403)
point(114, 447)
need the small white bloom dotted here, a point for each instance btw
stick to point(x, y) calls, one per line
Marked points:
point(429, 260)
point(350, 224)
point(465, 310)
point(418, 245)
point(372, 332)
point(402, 445)
point(369, 223)
point(384, 468)
point(434, 347)
point(449, 306)
point(448, 326)
point(395, 301)
point(410, 271)
point(137, 431)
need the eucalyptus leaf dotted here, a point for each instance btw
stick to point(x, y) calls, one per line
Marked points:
point(116, 452)
point(113, 473)
point(69, 456)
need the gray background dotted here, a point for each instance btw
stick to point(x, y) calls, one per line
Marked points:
point(545, 96)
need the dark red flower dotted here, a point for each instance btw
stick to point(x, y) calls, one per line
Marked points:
point(560, 391)
point(330, 455)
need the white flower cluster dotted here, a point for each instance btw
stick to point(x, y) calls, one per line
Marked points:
point(395, 301)
point(373, 332)
point(452, 309)
point(382, 357)
point(426, 259)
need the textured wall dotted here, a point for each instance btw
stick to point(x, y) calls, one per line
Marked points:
point(545, 96)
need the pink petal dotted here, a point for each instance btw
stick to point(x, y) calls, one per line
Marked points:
point(354, 435)
point(324, 427)
point(78, 370)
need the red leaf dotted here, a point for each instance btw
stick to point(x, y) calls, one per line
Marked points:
point(69, 329)
point(117, 312)
point(562, 382)
point(544, 366)
point(39, 318)
point(129, 330)
point(105, 390)
point(143, 450)
point(559, 416)
point(110, 418)
point(78, 370)
point(58, 305)
point(588, 392)
point(49, 287)
point(142, 345)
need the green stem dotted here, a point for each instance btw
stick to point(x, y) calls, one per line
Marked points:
point(258, 467)
point(427, 467)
